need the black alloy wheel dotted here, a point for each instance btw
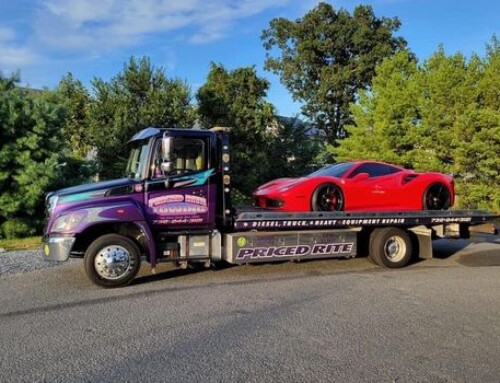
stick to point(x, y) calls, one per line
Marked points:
point(437, 197)
point(328, 197)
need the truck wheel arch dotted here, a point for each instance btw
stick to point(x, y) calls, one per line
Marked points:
point(128, 229)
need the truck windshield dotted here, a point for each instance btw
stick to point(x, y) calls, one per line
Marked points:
point(137, 159)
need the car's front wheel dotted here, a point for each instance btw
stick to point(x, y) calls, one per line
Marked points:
point(328, 197)
point(437, 197)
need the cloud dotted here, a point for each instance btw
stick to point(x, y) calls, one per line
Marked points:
point(12, 53)
point(13, 57)
point(67, 29)
point(92, 25)
point(6, 34)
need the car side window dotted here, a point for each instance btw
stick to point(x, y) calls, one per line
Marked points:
point(375, 170)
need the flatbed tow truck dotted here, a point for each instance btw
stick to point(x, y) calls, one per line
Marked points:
point(174, 205)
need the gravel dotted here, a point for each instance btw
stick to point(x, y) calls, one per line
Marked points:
point(21, 261)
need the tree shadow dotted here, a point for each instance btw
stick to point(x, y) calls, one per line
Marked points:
point(445, 248)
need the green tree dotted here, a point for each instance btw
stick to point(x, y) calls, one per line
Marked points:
point(327, 56)
point(237, 99)
point(76, 99)
point(30, 152)
point(441, 116)
point(293, 150)
point(478, 136)
point(138, 97)
point(388, 122)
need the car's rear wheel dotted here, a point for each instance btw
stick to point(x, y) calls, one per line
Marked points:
point(437, 197)
point(328, 197)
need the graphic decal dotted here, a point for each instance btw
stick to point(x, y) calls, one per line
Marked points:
point(197, 179)
point(281, 224)
point(296, 250)
point(250, 224)
point(178, 204)
point(178, 209)
point(182, 201)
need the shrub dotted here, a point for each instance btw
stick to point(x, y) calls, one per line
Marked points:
point(16, 228)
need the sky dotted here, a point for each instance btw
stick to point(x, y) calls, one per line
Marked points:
point(46, 39)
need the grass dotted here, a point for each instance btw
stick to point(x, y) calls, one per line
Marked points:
point(21, 243)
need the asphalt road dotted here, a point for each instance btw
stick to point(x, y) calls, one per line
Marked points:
point(320, 321)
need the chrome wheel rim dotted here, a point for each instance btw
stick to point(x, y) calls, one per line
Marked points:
point(113, 262)
point(395, 249)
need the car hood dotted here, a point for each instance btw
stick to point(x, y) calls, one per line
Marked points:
point(95, 190)
point(279, 184)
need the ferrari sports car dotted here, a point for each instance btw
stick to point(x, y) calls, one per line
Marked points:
point(358, 186)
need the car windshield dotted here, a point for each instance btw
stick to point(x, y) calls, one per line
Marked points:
point(137, 159)
point(336, 170)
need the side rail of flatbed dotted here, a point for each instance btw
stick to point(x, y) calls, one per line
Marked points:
point(392, 239)
point(270, 220)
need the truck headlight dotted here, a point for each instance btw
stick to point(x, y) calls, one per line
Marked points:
point(51, 204)
point(69, 221)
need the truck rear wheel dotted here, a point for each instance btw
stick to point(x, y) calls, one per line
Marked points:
point(112, 261)
point(390, 247)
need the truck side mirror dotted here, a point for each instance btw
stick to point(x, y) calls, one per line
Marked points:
point(167, 144)
point(167, 167)
point(167, 164)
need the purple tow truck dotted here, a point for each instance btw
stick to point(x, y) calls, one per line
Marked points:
point(174, 205)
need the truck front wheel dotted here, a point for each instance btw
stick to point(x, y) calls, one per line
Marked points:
point(112, 261)
point(390, 247)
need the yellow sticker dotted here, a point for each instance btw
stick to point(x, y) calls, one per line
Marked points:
point(242, 241)
point(46, 250)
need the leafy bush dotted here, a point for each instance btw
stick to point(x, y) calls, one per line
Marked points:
point(16, 228)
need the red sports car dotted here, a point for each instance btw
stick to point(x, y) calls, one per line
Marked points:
point(358, 186)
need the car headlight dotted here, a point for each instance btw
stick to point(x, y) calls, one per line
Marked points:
point(287, 187)
point(69, 221)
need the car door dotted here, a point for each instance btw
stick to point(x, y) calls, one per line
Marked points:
point(366, 187)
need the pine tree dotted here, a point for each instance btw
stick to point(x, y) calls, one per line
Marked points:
point(30, 147)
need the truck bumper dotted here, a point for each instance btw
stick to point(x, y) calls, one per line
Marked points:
point(57, 248)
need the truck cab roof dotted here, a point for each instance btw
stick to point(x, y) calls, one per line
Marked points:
point(187, 132)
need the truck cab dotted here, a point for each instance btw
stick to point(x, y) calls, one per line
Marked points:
point(176, 182)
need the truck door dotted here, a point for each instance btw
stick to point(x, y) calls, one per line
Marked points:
point(185, 197)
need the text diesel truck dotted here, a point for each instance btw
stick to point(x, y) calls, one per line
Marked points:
point(174, 206)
